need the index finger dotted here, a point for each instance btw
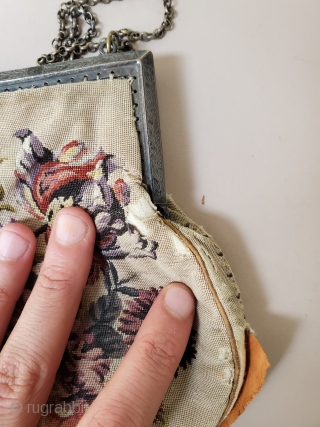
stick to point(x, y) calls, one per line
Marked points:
point(31, 356)
point(17, 249)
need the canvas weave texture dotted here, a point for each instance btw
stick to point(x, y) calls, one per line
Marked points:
point(77, 145)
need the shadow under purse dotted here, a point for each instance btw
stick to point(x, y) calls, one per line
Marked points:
point(86, 133)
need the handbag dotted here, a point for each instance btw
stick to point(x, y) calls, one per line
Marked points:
point(86, 133)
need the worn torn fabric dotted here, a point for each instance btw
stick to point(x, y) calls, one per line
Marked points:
point(77, 145)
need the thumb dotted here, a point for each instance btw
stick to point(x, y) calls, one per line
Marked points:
point(134, 394)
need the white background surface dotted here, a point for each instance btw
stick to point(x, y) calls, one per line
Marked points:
point(239, 96)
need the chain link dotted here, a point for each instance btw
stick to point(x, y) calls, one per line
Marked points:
point(69, 44)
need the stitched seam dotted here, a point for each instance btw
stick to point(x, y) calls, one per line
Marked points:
point(233, 345)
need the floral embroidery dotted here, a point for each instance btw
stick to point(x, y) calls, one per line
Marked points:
point(105, 328)
point(122, 191)
point(47, 182)
point(161, 419)
point(103, 313)
point(189, 354)
point(136, 312)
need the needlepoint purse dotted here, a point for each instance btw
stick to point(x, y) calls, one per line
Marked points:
point(86, 133)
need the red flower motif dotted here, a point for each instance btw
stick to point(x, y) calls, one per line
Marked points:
point(54, 175)
point(122, 191)
point(47, 181)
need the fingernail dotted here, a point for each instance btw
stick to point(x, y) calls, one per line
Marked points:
point(179, 301)
point(70, 229)
point(12, 246)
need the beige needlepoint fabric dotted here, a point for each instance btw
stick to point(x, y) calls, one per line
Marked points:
point(76, 144)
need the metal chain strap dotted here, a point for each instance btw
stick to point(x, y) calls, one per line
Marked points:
point(69, 44)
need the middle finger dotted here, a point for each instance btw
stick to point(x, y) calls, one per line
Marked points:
point(33, 352)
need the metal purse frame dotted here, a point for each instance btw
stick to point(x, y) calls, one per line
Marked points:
point(136, 64)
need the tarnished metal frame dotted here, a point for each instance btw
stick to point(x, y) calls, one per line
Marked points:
point(136, 64)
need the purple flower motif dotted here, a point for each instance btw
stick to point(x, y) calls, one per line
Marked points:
point(134, 315)
point(47, 182)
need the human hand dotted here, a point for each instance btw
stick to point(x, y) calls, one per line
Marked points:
point(31, 356)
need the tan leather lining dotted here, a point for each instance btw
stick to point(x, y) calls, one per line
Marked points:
point(222, 311)
point(257, 365)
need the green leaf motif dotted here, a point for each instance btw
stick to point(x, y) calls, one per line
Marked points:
point(7, 208)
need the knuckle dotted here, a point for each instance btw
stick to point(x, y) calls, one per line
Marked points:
point(96, 422)
point(159, 351)
point(54, 278)
point(4, 295)
point(111, 418)
point(18, 377)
